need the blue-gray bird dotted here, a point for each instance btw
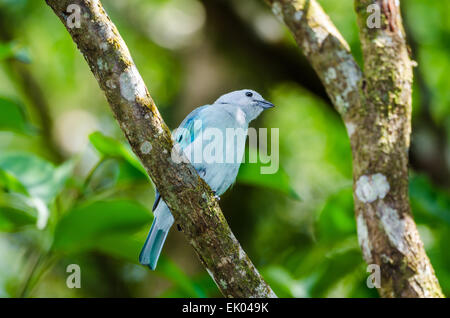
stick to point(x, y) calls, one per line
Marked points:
point(234, 110)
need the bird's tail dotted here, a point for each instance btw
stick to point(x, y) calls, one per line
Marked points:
point(153, 245)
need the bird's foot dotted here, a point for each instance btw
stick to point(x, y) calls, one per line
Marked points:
point(216, 196)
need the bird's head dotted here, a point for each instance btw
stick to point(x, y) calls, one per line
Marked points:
point(251, 102)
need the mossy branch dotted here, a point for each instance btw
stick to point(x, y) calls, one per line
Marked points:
point(387, 231)
point(325, 48)
point(188, 196)
point(376, 108)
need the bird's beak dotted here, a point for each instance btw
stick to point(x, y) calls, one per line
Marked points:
point(265, 104)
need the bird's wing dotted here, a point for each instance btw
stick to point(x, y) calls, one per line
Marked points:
point(157, 199)
point(188, 129)
point(184, 137)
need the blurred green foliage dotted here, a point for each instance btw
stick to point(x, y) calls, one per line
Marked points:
point(72, 191)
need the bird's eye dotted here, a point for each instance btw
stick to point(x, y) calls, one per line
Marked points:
point(249, 94)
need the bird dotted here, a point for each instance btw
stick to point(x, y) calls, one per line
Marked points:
point(233, 110)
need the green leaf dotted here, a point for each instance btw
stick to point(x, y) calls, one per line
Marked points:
point(13, 117)
point(13, 50)
point(427, 200)
point(125, 246)
point(281, 281)
point(334, 268)
point(84, 226)
point(16, 211)
point(109, 147)
point(176, 275)
point(39, 177)
point(7, 50)
point(120, 245)
point(10, 183)
point(336, 220)
point(250, 173)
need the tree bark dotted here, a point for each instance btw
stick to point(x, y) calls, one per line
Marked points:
point(376, 109)
point(325, 49)
point(187, 195)
point(380, 152)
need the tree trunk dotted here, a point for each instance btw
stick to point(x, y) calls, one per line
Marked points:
point(380, 145)
point(376, 109)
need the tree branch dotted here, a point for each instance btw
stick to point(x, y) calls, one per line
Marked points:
point(187, 195)
point(325, 49)
point(376, 108)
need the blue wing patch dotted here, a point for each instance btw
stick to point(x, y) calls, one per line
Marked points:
point(157, 198)
point(189, 129)
point(185, 136)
